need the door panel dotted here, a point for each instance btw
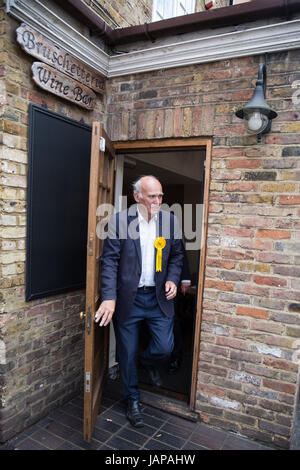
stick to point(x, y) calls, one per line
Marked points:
point(96, 338)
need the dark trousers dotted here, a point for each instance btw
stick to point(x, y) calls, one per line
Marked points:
point(160, 345)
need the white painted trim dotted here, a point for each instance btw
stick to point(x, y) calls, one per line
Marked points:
point(259, 40)
point(200, 49)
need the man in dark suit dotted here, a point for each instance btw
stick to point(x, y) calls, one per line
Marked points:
point(141, 265)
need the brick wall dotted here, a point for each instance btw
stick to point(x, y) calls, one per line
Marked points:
point(122, 13)
point(41, 341)
point(250, 346)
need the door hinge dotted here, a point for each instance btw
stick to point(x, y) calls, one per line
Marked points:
point(102, 144)
point(91, 244)
point(88, 321)
point(88, 382)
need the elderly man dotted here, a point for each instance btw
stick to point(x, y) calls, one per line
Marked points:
point(141, 266)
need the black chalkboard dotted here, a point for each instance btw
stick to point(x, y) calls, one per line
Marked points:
point(57, 203)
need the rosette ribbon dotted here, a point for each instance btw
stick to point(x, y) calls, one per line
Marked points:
point(159, 244)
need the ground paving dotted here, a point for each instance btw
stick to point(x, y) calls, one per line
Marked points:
point(62, 430)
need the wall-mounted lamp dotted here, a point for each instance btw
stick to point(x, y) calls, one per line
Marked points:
point(257, 112)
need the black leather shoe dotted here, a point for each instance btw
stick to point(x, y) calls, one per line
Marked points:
point(134, 414)
point(154, 376)
point(173, 366)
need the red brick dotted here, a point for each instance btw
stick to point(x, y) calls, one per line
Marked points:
point(274, 234)
point(219, 263)
point(243, 163)
point(256, 222)
point(220, 285)
point(237, 254)
point(242, 95)
point(242, 186)
point(290, 200)
point(232, 343)
point(262, 244)
point(279, 386)
point(253, 290)
point(141, 125)
point(211, 390)
point(270, 281)
point(239, 232)
point(267, 257)
point(159, 123)
point(252, 312)
point(281, 364)
point(218, 306)
point(169, 123)
point(226, 152)
point(217, 75)
point(197, 114)
point(177, 122)
point(232, 129)
point(39, 310)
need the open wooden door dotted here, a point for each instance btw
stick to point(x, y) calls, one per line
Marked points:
point(96, 338)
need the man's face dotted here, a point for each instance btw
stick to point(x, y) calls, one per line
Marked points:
point(150, 197)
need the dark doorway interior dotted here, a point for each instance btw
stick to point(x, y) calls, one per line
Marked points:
point(182, 176)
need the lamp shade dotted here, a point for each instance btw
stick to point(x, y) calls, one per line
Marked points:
point(257, 104)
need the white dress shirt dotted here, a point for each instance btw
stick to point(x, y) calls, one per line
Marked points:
point(147, 239)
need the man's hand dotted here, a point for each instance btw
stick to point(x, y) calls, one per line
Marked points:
point(171, 290)
point(105, 312)
point(184, 286)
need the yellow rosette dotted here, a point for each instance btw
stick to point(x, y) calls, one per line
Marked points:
point(159, 244)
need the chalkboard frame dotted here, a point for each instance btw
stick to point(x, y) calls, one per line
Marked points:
point(46, 273)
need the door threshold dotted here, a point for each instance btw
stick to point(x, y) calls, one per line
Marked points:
point(168, 404)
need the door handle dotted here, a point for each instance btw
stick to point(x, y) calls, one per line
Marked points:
point(88, 318)
point(82, 315)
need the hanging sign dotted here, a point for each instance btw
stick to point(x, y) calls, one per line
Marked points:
point(47, 51)
point(55, 82)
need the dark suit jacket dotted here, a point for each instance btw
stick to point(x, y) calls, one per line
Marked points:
point(121, 261)
point(185, 273)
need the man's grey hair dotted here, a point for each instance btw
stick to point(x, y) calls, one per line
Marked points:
point(137, 184)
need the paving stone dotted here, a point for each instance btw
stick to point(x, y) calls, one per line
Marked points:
point(114, 417)
point(156, 445)
point(121, 444)
point(30, 444)
point(101, 435)
point(175, 430)
point(208, 437)
point(77, 439)
point(166, 438)
point(105, 424)
point(73, 410)
point(183, 423)
point(132, 436)
point(193, 446)
point(105, 447)
point(71, 421)
point(151, 421)
point(145, 430)
point(60, 430)
point(68, 446)
point(47, 439)
point(237, 443)
point(155, 413)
